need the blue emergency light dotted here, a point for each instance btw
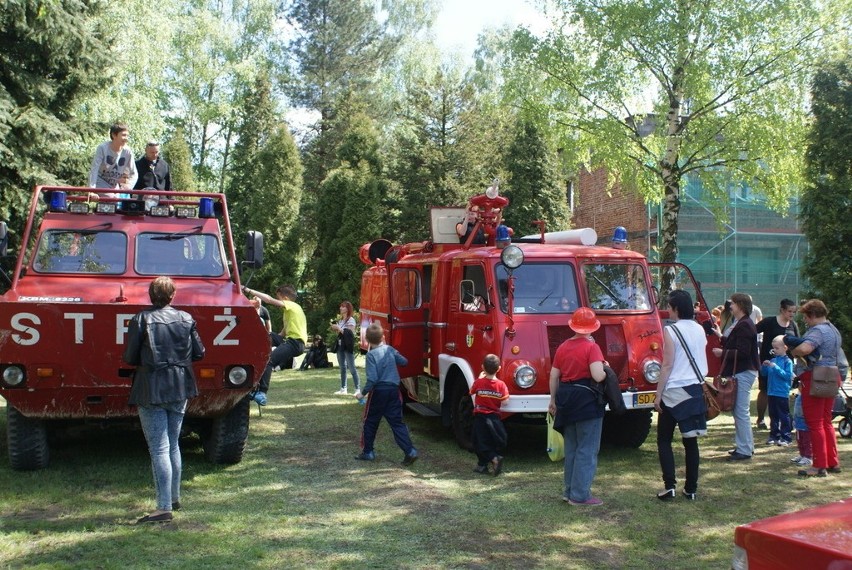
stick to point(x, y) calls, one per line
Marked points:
point(205, 208)
point(57, 201)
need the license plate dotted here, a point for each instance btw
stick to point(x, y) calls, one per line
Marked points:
point(644, 398)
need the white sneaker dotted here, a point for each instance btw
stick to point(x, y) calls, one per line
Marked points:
point(796, 459)
point(804, 462)
point(342, 391)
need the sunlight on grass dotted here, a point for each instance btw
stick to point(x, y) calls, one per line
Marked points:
point(299, 499)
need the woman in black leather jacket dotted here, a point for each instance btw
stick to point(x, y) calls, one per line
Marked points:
point(162, 342)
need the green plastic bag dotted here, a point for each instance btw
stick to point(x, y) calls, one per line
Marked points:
point(555, 443)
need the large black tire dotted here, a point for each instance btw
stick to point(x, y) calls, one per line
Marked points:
point(27, 441)
point(628, 430)
point(461, 409)
point(225, 440)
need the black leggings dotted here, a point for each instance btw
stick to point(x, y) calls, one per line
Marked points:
point(666, 425)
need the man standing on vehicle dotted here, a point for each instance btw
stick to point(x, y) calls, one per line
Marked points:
point(113, 165)
point(154, 171)
point(294, 331)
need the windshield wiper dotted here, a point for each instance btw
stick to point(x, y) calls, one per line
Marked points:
point(179, 235)
point(85, 231)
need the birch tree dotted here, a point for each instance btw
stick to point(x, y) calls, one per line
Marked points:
point(656, 91)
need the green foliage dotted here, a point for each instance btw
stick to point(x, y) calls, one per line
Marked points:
point(533, 186)
point(655, 91)
point(265, 184)
point(350, 212)
point(52, 58)
point(446, 146)
point(826, 200)
point(177, 154)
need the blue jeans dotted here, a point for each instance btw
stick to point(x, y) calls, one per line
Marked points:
point(582, 443)
point(780, 425)
point(347, 360)
point(743, 437)
point(161, 425)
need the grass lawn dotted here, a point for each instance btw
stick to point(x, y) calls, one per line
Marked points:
point(299, 499)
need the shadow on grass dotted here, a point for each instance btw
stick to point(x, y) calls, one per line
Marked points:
point(299, 499)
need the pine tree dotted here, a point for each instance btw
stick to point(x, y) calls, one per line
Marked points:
point(827, 199)
point(351, 205)
point(52, 59)
point(264, 187)
point(176, 152)
point(533, 186)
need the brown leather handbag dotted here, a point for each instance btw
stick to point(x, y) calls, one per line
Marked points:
point(726, 386)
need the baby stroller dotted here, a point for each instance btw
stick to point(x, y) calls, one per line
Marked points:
point(843, 409)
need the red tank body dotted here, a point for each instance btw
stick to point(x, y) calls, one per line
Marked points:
point(63, 321)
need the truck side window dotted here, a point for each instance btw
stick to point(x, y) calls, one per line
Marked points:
point(405, 289)
point(473, 291)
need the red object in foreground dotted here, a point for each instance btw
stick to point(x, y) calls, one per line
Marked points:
point(815, 538)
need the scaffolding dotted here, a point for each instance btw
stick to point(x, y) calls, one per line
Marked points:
point(758, 251)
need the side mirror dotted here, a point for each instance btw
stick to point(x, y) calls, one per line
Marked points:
point(254, 250)
point(4, 239)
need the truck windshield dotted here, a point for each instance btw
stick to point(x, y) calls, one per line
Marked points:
point(81, 251)
point(616, 287)
point(540, 288)
point(179, 254)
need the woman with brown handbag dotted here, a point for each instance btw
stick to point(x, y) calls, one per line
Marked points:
point(822, 336)
point(740, 359)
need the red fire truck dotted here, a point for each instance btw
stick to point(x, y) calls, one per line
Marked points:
point(84, 267)
point(445, 305)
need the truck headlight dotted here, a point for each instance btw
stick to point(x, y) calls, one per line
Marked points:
point(525, 376)
point(651, 369)
point(237, 376)
point(13, 375)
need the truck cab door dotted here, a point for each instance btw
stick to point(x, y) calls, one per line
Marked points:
point(682, 278)
point(409, 315)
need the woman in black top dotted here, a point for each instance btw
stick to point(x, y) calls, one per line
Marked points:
point(740, 360)
point(780, 324)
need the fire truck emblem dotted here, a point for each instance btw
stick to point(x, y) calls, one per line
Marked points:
point(469, 338)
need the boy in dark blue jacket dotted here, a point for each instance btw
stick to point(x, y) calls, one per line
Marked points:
point(383, 397)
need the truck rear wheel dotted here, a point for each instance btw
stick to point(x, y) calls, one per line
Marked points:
point(461, 405)
point(27, 441)
point(628, 430)
point(225, 440)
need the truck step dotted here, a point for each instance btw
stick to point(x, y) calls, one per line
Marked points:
point(422, 409)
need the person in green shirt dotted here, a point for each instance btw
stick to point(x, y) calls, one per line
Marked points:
point(294, 333)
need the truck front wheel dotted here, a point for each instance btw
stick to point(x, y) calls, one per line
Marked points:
point(225, 439)
point(628, 430)
point(27, 441)
point(461, 406)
